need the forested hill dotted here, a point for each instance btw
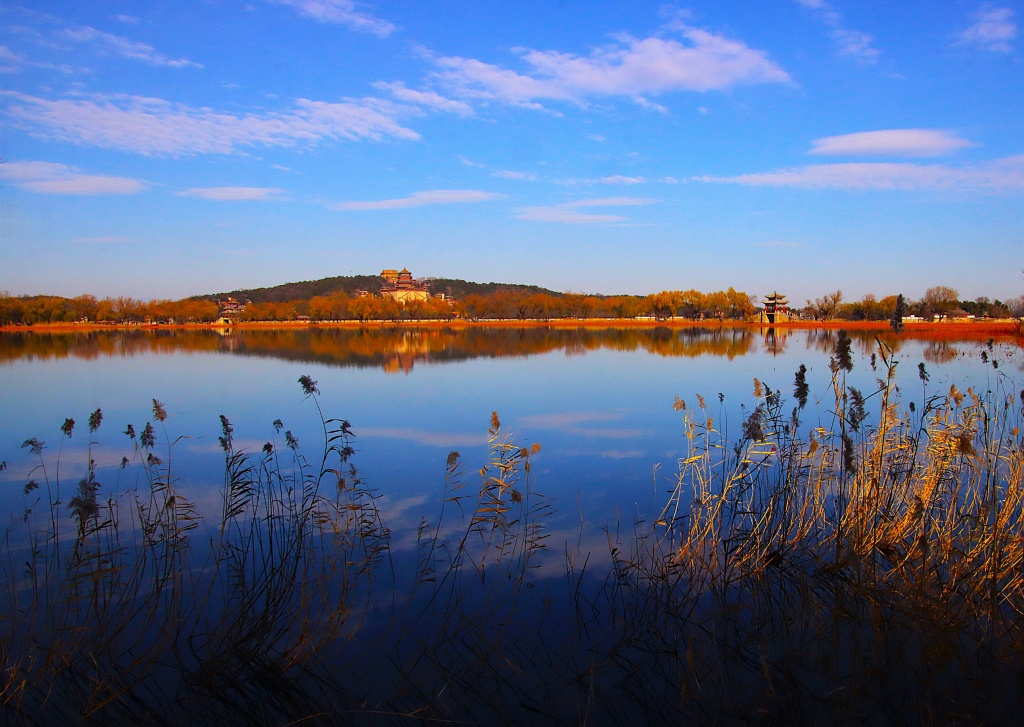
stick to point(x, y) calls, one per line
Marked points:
point(461, 288)
point(351, 283)
point(304, 290)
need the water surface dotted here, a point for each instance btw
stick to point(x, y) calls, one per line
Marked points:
point(601, 403)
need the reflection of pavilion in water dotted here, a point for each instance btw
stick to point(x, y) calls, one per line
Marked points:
point(405, 351)
point(231, 339)
point(775, 341)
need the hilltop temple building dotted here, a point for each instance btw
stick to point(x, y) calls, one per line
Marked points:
point(402, 286)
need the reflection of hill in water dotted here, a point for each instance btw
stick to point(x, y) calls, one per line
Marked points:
point(399, 349)
point(394, 349)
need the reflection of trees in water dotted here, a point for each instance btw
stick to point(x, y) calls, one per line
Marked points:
point(865, 342)
point(940, 352)
point(99, 344)
point(822, 341)
point(376, 346)
point(386, 347)
point(398, 348)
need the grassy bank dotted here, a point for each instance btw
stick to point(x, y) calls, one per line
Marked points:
point(865, 571)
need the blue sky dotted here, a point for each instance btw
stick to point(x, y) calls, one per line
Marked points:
point(161, 150)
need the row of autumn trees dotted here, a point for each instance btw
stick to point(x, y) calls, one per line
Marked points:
point(28, 310)
point(504, 303)
point(666, 304)
point(938, 301)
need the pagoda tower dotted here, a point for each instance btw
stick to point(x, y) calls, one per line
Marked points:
point(775, 304)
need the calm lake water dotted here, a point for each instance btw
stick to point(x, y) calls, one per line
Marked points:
point(653, 644)
point(599, 402)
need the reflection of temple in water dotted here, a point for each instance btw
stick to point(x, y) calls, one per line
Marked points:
point(775, 341)
point(400, 362)
point(404, 352)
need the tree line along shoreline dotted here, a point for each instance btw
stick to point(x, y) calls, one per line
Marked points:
point(519, 304)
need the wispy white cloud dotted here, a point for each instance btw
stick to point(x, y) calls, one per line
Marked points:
point(892, 142)
point(427, 99)
point(430, 437)
point(1001, 175)
point(779, 244)
point(617, 179)
point(620, 179)
point(856, 44)
point(522, 176)
point(586, 424)
point(613, 202)
point(341, 12)
point(53, 178)
point(235, 194)
point(422, 199)
point(125, 47)
point(562, 420)
point(851, 43)
point(128, 19)
point(993, 29)
point(564, 215)
point(570, 212)
point(155, 127)
point(104, 240)
point(10, 62)
point(650, 105)
point(13, 62)
point(630, 67)
point(622, 453)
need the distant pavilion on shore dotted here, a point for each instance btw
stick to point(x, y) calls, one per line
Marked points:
point(776, 308)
